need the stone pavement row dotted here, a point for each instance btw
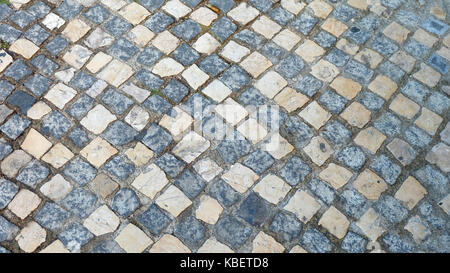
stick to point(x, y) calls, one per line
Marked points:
point(336, 114)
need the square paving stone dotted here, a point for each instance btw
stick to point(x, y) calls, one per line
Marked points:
point(438, 63)
point(322, 190)
point(117, 26)
point(55, 124)
point(7, 230)
point(187, 30)
point(315, 242)
point(68, 9)
point(5, 148)
point(36, 34)
point(224, 193)
point(7, 192)
point(17, 70)
point(123, 49)
point(391, 70)
point(44, 64)
point(337, 133)
point(5, 89)
point(75, 236)
point(5, 11)
point(22, 100)
point(249, 38)
point(82, 81)
point(371, 101)
point(190, 183)
point(369, 23)
point(56, 45)
point(232, 150)
point(252, 96)
point(80, 171)
point(388, 170)
point(358, 71)
point(80, 107)
point(352, 157)
point(231, 231)
point(324, 39)
point(39, 9)
point(97, 14)
point(295, 171)
point(304, 23)
point(352, 202)
point(108, 246)
point(417, 137)
point(438, 102)
point(152, 4)
point(170, 164)
point(150, 80)
point(286, 226)
point(125, 202)
point(259, 161)
point(149, 56)
point(159, 21)
point(119, 133)
point(156, 138)
point(51, 216)
point(273, 52)
point(235, 78)
point(8, 33)
point(433, 180)
point(38, 84)
point(354, 243)
point(391, 209)
point(175, 90)
point(79, 137)
point(333, 102)
point(15, 126)
point(281, 16)
point(213, 65)
point(154, 219)
point(185, 54)
point(21, 18)
point(388, 123)
point(416, 49)
point(383, 45)
point(308, 85)
point(224, 5)
point(223, 28)
point(192, 3)
point(299, 130)
point(117, 102)
point(80, 202)
point(290, 66)
point(157, 104)
point(344, 13)
point(398, 244)
point(191, 232)
point(119, 167)
point(435, 26)
point(337, 57)
point(254, 210)
point(33, 173)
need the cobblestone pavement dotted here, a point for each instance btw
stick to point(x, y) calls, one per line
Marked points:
point(335, 115)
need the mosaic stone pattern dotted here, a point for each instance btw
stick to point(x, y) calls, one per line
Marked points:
point(104, 148)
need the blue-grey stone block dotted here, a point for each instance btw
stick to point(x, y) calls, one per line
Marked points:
point(156, 138)
point(75, 236)
point(185, 54)
point(391, 209)
point(286, 226)
point(259, 161)
point(324, 39)
point(281, 16)
point(333, 102)
point(44, 64)
point(17, 70)
point(39, 9)
point(370, 100)
point(21, 18)
point(213, 65)
point(434, 181)
point(254, 210)
point(191, 232)
point(119, 133)
point(322, 190)
point(159, 21)
point(97, 14)
point(119, 167)
point(80, 202)
point(154, 219)
point(354, 243)
point(417, 137)
point(5, 148)
point(7, 192)
point(108, 246)
point(358, 71)
point(157, 104)
point(190, 183)
point(116, 101)
point(224, 193)
point(51, 216)
point(79, 137)
point(149, 56)
point(337, 133)
point(435, 26)
point(273, 52)
point(123, 49)
point(308, 85)
point(36, 34)
point(315, 242)
point(387, 169)
point(352, 203)
point(125, 202)
point(231, 231)
point(8, 33)
point(398, 244)
point(151, 4)
point(22, 100)
point(224, 5)
point(388, 123)
point(295, 171)
point(38, 84)
point(117, 26)
point(344, 13)
point(81, 106)
point(57, 45)
point(7, 230)
point(150, 80)
point(175, 90)
point(352, 157)
point(187, 30)
point(357, 35)
point(234, 148)
point(69, 9)
point(80, 171)
point(223, 28)
point(171, 165)
point(304, 23)
point(15, 126)
point(249, 38)
point(55, 124)
point(290, 66)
